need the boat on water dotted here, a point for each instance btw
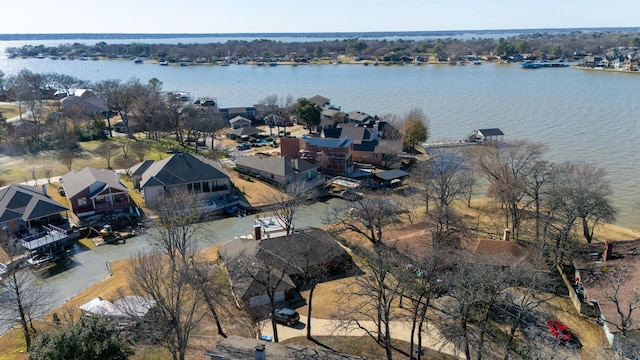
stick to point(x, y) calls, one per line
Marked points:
point(163, 63)
point(537, 65)
point(137, 61)
point(40, 260)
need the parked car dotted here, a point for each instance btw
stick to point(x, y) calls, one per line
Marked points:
point(559, 331)
point(243, 146)
point(286, 316)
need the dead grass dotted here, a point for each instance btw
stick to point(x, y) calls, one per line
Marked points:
point(586, 330)
point(12, 346)
point(9, 111)
point(362, 346)
point(256, 193)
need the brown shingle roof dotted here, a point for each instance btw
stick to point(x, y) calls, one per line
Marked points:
point(597, 274)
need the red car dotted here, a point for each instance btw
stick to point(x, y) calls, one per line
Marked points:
point(559, 330)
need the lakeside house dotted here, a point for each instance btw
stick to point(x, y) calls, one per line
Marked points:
point(333, 156)
point(92, 191)
point(280, 262)
point(606, 276)
point(84, 100)
point(181, 172)
point(280, 170)
point(33, 218)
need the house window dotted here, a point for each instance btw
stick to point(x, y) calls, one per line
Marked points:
point(82, 202)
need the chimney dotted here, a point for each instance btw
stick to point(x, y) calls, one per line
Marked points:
point(259, 353)
point(44, 189)
point(257, 231)
point(608, 250)
point(507, 234)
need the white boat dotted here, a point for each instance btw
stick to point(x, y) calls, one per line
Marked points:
point(40, 260)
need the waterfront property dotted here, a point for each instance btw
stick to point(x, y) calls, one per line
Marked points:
point(333, 156)
point(34, 219)
point(280, 170)
point(92, 191)
point(606, 276)
point(85, 101)
point(181, 172)
point(280, 262)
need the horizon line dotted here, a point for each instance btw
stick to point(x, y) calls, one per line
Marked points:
point(312, 33)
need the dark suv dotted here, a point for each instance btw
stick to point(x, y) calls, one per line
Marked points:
point(286, 316)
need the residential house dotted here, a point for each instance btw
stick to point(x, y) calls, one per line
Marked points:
point(320, 100)
point(280, 170)
point(92, 191)
point(249, 112)
point(605, 274)
point(183, 171)
point(239, 122)
point(24, 208)
point(368, 147)
point(85, 101)
point(281, 261)
point(330, 117)
point(244, 133)
point(333, 156)
point(31, 216)
point(359, 117)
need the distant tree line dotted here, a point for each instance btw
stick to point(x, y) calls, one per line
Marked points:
point(551, 43)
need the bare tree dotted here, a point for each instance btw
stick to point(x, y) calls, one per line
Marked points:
point(106, 150)
point(110, 90)
point(421, 285)
point(475, 285)
point(373, 294)
point(444, 179)
point(140, 149)
point(23, 296)
point(169, 284)
point(540, 173)
point(203, 276)
point(268, 272)
point(508, 167)
point(286, 204)
point(177, 218)
point(368, 215)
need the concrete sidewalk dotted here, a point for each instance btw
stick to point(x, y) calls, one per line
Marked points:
point(431, 339)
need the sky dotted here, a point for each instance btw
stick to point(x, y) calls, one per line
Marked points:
point(289, 16)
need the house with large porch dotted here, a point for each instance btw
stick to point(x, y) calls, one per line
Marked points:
point(93, 191)
point(34, 218)
point(181, 172)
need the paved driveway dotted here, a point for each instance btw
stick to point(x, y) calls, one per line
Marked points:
point(319, 327)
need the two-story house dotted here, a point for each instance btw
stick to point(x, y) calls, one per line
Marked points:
point(92, 191)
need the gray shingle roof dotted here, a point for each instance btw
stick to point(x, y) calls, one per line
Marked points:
point(26, 203)
point(281, 166)
point(491, 132)
point(182, 169)
point(75, 182)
